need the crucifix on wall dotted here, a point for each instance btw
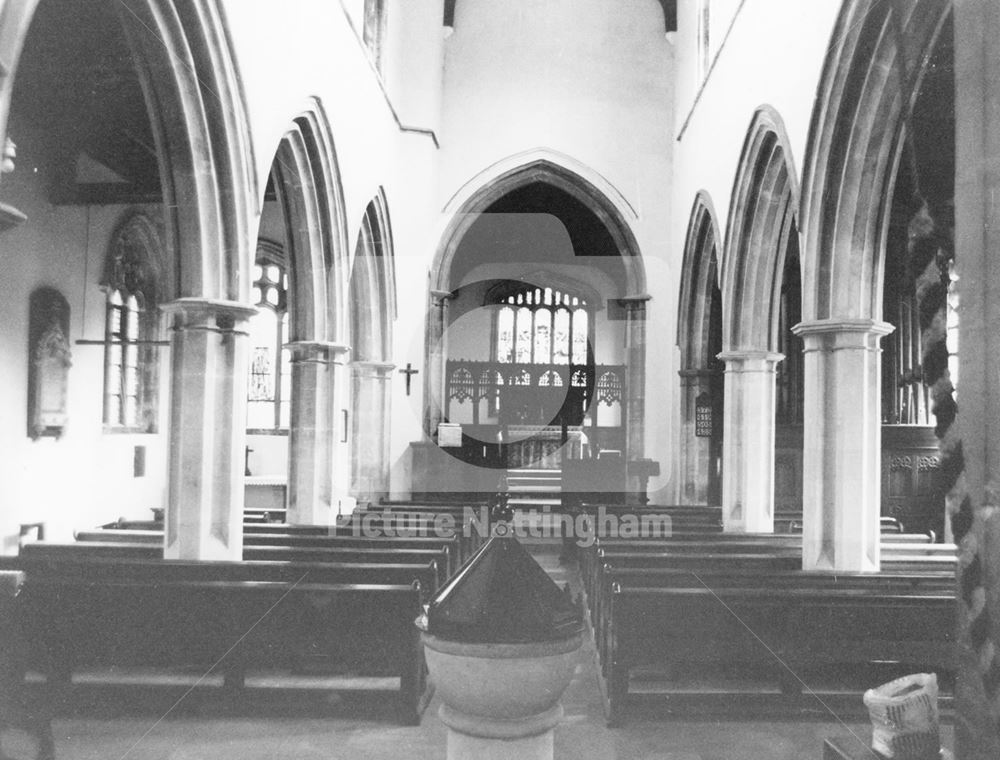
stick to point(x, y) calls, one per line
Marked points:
point(409, 372)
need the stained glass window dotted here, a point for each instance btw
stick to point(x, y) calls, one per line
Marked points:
point(522, 348)
point(579, 336)
point(505, 335)
point(560, 337)
point(542, 326)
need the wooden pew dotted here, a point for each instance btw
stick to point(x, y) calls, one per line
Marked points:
point(745, 562)
point(228, 627)
point(772, 628)
point(111, 569)
point(895, 554)
point(448, 547)
point(721, 555)
point(714, 577)
point(352, 530)
point(786, 560)
point(120, 536)
point(83, 549)
point(254, 515)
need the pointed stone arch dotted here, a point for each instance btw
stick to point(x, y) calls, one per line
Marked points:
point(309, 188)
point(854, 146)
point(373, 311)
point(761, 221)
point(583, 184)
point(606, 203)
point(699, 338)
point(306, 179)
point(699, 275)
point(871, 78)
point(187, 73)
point(762, 215)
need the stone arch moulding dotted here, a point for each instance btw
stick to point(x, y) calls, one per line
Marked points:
point(310, 191)
point(699, 269)
point(698, 455)
point(374, 264)
point(373, 308)
point(761, 218)
point(15, 18)
point(203, 143)
point(762, 214)
point(870, 80)
point(578, 180)
point(851, 154)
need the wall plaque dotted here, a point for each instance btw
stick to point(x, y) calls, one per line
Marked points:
point(703, 416)
point(48, 362)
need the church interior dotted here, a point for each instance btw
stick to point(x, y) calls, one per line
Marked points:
point(327, 316)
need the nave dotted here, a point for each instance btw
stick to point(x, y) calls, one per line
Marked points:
point(270, 266)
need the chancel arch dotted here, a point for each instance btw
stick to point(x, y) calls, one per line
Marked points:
point(298, 347)
point(114, 117)
point(879, 56)
point(699, 337)
point(544, 232)
point(761, 232)
point(372, 313)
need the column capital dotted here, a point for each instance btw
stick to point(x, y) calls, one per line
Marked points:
point(634, 302)
point(323, 351)
point(212, 306)
point(441, 295)
point(838, 326)
point(378, 370)
point(211, 314)
point(750, 361)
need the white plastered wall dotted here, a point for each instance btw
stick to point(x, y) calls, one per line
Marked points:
point(587, 84)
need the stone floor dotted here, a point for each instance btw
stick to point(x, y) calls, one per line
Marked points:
point(175, 725)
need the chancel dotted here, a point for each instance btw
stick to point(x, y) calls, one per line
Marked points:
point(313, 308)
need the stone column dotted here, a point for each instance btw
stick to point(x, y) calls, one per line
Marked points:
point(635, 380)
point(842, 449)
point(974, 503)
point(748, 441)
point(209, 357)
point(370, 430)
point(313, 431)
point(437, 357)
point(695, 454)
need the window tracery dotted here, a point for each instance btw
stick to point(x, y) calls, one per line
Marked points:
point(132, 327)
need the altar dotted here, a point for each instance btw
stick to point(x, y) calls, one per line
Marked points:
point(541, 447)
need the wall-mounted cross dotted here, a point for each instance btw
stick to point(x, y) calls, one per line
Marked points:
point(409, 372)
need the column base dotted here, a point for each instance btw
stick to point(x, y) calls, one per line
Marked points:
point(528, 738)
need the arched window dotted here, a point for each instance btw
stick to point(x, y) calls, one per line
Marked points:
point(270, 381)
point(132, 328)
point(536, 325)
